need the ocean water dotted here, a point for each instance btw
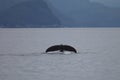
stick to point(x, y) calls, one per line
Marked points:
point(22, 58)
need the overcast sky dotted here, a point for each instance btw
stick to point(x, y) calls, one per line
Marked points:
point(109, 2)
point(7, 3)
point(105, 2)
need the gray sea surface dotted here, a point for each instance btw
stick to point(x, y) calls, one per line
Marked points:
point(22, 58)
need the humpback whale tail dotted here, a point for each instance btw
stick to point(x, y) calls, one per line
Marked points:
point(61, 48)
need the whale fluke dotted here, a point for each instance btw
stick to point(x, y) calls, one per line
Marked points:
point(61, 48)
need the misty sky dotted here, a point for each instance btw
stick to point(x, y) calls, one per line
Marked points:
point(106, 2)
point(109, 2)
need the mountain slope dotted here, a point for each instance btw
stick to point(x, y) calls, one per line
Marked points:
point(4, 4)
point(88, 14)
point(30, 13)
point(64, 19)
point(97, 15)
